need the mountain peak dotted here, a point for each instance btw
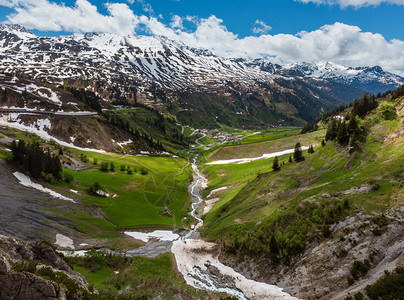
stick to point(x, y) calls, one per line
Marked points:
point(17, 30)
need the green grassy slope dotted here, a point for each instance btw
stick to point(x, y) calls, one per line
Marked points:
point(309, 195)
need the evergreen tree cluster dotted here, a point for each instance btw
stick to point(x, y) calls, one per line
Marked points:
point(363, 106)
point(348, 131)
point(337, 131)
point(289, 233)
point(313, 126)
point(35, 160)
point(399, 92)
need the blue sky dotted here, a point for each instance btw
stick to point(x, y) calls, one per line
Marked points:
point(349, 32)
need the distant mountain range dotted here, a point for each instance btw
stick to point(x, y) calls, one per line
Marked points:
point(143, 68)
point(371, 79)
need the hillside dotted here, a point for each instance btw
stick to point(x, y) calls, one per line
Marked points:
point(82, 119)
point(337, 212)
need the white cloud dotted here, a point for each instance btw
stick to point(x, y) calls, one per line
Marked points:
point(340, 43)
point(354, 3)
point(83, 17)
point(261, 27)
point(176, 22)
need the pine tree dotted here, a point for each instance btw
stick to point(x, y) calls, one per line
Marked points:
point(342, 135)
point(311, 149)
point(322, 143)
point(298, 155)
point(275, 164)
point(331, 130)
point(352, 126)
point(290, 159)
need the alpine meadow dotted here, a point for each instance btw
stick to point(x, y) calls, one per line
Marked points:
point(215, 150)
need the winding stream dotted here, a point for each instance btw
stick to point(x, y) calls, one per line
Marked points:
point(198, 262)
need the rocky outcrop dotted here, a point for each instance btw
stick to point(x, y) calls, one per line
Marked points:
point(322, 271)
point(26, 283)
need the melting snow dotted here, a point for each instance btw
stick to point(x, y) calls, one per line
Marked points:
point(161, 235)
point(64, 241)
point(26, 181)
point(246, 160)
point(194, 256)
point(125, 143)
point(40, 132)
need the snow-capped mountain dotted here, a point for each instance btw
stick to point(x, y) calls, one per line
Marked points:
point(194, 84)
point(371, 79)
point(93, 55)
point(156, 59)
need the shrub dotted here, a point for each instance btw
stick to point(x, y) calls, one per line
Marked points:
point(389, 287)
point(387, 111)
point(360, 268)
point(129, 170)
point(104, 166)
point(67, 177)
point(97, 189)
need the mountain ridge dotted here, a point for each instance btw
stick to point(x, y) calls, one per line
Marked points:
point(170, 63)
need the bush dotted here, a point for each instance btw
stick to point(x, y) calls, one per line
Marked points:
point(387, 111)
point(97, 189)
point(104, 167)
point(48, 177)
point(389, 287)
point(25, 266)
point(123, 168)
point(144, 171)
point(129, 170)
point(67, 177)
point(360, 268)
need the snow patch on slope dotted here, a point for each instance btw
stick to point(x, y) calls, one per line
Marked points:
point(26, 181)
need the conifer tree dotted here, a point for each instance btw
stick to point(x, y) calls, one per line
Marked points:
point(331, 130)
point(298, 155)
point(275, 164)
point(352, 126)
point(342, 135)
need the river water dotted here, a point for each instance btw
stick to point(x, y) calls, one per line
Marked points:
point(198, 262)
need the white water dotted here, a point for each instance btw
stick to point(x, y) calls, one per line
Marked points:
point(196, 257)
point(201, 182)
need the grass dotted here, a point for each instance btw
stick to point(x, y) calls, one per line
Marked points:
point(256, 193)
point(140, 277)
point(138, 200)
point(277, 143)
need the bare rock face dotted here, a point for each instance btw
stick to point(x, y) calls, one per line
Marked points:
point(25, 285)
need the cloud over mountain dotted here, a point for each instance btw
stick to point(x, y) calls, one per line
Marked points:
point(340, 43)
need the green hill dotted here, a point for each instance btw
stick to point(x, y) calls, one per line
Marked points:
point(271, 222)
